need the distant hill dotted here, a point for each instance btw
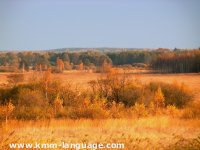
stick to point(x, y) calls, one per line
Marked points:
point(101, 49)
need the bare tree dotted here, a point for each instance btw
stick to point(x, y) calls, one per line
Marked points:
point(47, 80)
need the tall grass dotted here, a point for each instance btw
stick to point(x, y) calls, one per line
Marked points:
point(144, 133)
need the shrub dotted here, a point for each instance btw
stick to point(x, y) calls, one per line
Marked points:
point(175, 94)
point(31, 98)
point(172, 111)
point(118, 88)
point(13, 92)
point(159, 98)
point(57, 104)
point(139, 110)
point(95, 110)
point(31, 105)
point(70, 95)
point(131, 94)
point(117, 110)
point(151, 109)
point(30, 113)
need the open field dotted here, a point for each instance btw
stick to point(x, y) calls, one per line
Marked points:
point(152, 132)
point(192, 80)
point(81, 78)
point(145, 133)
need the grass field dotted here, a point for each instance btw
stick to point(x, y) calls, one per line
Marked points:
point(161, 132)
point(191, 80)
point(145, 133)
point(82, 78)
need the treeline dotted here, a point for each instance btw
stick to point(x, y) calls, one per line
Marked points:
point(34, 60)
point(162, 60)
point(131, 57)
point(178, 62)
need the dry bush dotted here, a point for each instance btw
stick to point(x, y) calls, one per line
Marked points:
point(57, 105)
point(131, 93)
point(31, 98)
point(172, 111)
point(13, 92)
point(112, 96)
point(139, 110)
point(175, 94)
point(31, 105)
point(71, 95)
point(118, 88)
point(117, 110)
point(30, 113)
point(94, 110)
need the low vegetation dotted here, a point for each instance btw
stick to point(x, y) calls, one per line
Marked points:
point(111, 96)
point(136, 134)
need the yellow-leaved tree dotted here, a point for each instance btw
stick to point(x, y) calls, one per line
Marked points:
point(159, 98)
point(60, 64)
point(58, 104)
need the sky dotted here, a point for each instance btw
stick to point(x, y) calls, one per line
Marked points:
point(49, 24)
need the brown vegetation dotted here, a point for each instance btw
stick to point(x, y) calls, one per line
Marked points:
point(143, 133)
point(135, 109)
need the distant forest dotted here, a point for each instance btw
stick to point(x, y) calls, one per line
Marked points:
point(162, 60)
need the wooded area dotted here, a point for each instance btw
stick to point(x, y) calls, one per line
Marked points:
point(162, 60)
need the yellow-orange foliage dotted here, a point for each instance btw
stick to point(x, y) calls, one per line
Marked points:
point(80, 66)
point(58, 104)
point(6, 110)
point(159, 98)
point(60, 64)
point(106, 67)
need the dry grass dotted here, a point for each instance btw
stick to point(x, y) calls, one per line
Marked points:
point(81, 78)
point(191, 80)
point(144, 133)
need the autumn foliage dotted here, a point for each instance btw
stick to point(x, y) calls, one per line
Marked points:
point(112, 95)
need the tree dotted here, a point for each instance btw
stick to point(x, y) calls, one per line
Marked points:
point(68, 66)
point(60, 64)
point(47, 80)
point(65, 57)
point(58, 104)
point(159, 98)
point(106, 67)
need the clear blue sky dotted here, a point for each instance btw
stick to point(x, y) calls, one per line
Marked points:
point(47, 24)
